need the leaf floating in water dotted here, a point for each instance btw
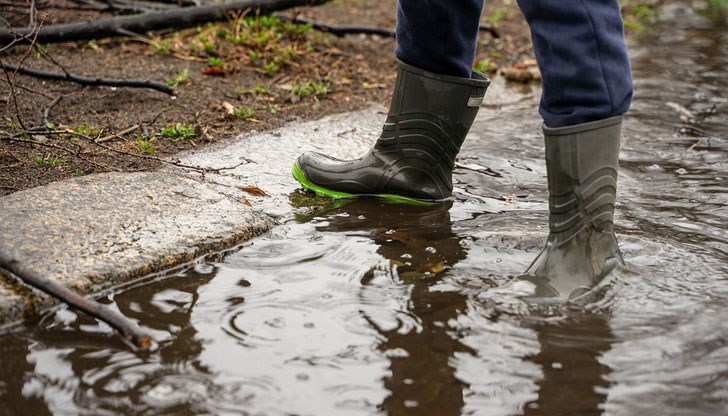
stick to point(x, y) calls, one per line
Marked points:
point(437, 268)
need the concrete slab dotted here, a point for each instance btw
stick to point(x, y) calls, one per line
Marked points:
point(94, 232)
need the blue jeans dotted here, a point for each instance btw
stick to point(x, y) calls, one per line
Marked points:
point(579, 47)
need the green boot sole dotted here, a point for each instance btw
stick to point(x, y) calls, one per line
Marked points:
point(299, 176)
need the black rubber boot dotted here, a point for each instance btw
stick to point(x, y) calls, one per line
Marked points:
point(581, 250)
point(412, 160)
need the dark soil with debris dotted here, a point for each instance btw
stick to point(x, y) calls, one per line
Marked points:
point(252, 73)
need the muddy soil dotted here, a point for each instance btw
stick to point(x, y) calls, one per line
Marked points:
point(222, 92)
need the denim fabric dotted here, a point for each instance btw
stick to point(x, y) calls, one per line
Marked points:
point(579, 47)
point(438, 35)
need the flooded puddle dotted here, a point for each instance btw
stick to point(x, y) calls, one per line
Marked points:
point(368, 308)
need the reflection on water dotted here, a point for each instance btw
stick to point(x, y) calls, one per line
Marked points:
point(370, 308)
point(419, 245)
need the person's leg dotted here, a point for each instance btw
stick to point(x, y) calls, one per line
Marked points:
point(582, 56)
point(436, 97)
point(587, 86)
point(438, 35)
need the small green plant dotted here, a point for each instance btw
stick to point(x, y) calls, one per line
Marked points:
point(182, 77)
point(216, 62)
point(260, 89)
point(718, 6)
point(244, 112)
point(40, 51)
point(638, 17)
point(483, 65)
point(162, 47)
point(272, 108)
point(48, 160)
point(298, 29)
point(92, 44)
point(271, 68)
point(310, 88)
point(254, 56)
point(207, 45)
point(86, 130)
point(499, 14)
point(178, 132)
point(144, 145)
point(287, 53)
point(12, 123)
point(257, 89)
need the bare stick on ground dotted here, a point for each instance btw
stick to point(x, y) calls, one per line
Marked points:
point(109, 82)
point(129, 329)
point(343, 30)
point(167, 19)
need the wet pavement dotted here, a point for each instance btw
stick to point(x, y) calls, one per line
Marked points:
point(366, 308)
point(99, 231)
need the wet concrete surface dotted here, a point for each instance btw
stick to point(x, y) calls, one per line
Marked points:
point(367, 308)
point(99, 231)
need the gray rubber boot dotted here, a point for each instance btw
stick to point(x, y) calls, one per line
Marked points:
point(581, 163)
point(413, 159)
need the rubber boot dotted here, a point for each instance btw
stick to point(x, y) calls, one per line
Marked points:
point(413, 159)
point(581, 250)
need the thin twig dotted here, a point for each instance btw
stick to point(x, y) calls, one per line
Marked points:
point(128, 329)
point(199, 169)
point(76, 154)
point(110, 82)
point(48, 108)
point(116, 135)
point(30, 90)
point(13, 95)
point(47, 56)
point(338, 30)
point(343, 30)
point(11, 81)
point(54, 102)
point(31, 14)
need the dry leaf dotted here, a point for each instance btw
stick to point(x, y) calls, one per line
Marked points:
point(229, 108)
point(213, 70)
point(371, 86)
point(252, 190)
point(437, 268)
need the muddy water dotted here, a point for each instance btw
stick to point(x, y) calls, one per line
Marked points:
point(367, 308)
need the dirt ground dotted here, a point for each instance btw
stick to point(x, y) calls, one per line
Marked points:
point(280, 72)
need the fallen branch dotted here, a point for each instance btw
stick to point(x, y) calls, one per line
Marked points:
point(118, 135)
point(129, 329)
point(343, 30)
point(167, 19)
point(109, 82)
point(338, 30)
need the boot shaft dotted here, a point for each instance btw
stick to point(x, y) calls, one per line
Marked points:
point(582, 163)
point(430, 114)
